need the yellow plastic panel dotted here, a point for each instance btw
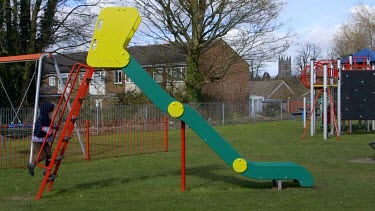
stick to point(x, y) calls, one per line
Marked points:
point(113, 31)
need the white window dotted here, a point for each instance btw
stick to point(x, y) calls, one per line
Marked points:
point(97, 86)
point(118, 77)
point(128, 80)
point(64, 78)
point(81, 75)
point(176, 74)
point(158, 74)
point(52, 80)
point(98, 78)
point(99, 103)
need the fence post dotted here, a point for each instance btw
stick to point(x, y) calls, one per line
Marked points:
point(281, 109)
point(250, 111)
point(2, 142)
point(254, 107)
point(97, 119)
point(146, 111)
point(88, 140)
point(223, 113)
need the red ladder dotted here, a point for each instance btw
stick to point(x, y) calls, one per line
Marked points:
point(66, 132)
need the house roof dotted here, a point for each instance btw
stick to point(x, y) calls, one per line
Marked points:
point(165, 53)
point(267, 88)
point(362, 54)
point(151, 55)
point(66, 61)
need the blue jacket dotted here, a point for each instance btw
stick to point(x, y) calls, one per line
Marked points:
point(43, 119)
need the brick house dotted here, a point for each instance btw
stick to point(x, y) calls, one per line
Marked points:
point(274, 89)
point(167, 65)
point(269, 90)
point(227, 73)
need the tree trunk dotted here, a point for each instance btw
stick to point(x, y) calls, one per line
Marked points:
point(194, 80)
point(33, 27)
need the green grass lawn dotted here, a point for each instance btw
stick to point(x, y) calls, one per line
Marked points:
point(152, 181)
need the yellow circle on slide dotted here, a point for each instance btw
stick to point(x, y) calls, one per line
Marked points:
point(239, 165)
point(175, 109)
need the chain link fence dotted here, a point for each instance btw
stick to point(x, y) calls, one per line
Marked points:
point(216, 113)
point(223, 113)
point(125, 130)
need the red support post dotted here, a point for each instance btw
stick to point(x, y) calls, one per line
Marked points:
point(88, 140)
point(183, 161)
point(166, 133)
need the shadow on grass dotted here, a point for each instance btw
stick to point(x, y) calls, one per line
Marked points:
point(108, 183)
point(356, 130)
point(209, 173)
point(94, 185)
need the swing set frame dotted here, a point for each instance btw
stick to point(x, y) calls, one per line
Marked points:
point(40, 58)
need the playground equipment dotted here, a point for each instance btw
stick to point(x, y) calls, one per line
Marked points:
point(21, 130)
point(108, 38)
point(69, 125)
point(114, 29)
point(15, 130)
point(325, 77)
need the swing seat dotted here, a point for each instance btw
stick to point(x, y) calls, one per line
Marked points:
point(16, 131)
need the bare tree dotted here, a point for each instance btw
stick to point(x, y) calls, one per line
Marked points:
point(306, 52)
point(358, 33)
point(193, 25)
point(37, 26)
point(255, 66)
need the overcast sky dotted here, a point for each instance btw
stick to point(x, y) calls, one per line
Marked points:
point(316, 21)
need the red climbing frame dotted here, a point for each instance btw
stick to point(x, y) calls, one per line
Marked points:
point(359, 63)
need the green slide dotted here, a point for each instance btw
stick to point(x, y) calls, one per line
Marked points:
point(254, 170)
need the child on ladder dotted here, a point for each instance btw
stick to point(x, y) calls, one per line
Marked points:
point(41, 130)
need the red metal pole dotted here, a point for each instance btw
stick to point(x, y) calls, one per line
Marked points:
point(183, 161)
point(88, 140)
point(166, 133)
point(22, 58)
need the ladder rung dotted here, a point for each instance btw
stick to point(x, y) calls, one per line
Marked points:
point(51, 177)
point(67, 138)
point(59, 157)
point(73, 119)
point(81, 99)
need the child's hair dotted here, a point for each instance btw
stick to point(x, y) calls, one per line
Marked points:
point(46, 107)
